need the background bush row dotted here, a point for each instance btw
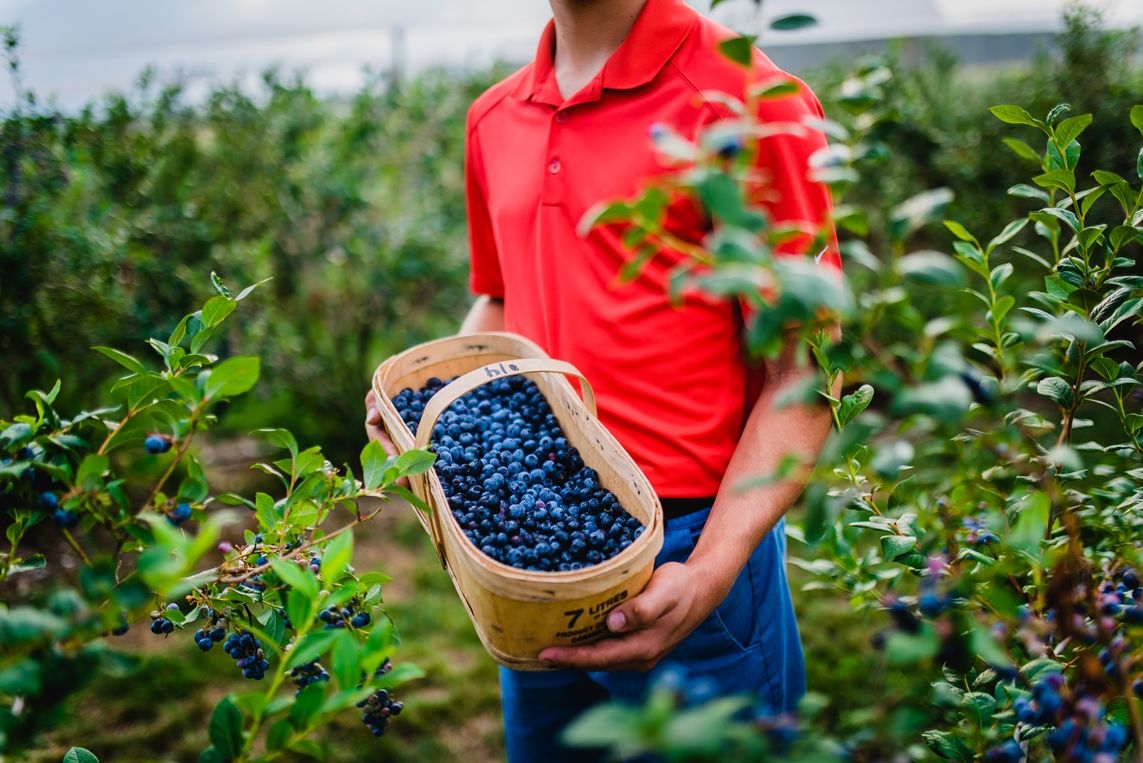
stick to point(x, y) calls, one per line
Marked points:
point(355, 208)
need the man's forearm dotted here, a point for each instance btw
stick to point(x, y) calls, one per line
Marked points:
point(486, 314)
point(740, 519)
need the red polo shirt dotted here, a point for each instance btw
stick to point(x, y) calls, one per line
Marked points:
point(671, 382)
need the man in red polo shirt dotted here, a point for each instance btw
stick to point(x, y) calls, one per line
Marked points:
point(544, 146)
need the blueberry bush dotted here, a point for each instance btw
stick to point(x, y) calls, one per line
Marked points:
point(113, 212)
point(982, 485)
point(108, 517)
point(521, 492)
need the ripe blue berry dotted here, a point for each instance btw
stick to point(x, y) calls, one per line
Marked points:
point(179, 514)
point(49, 500)
point(932, 604)
point(160, 625)
point(65, 519)
point(157, 443)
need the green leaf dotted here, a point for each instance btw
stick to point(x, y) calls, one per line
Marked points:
point(1056, 389)
point(300, 578)
point(1031, 524)
point(985, 646)
point(1066, 215)
point(300, 606)
point(1040, 668)
point(1070, 129)
point(122, 358)
point(960, 231)
point(346, 660)
point(219, 286)
point(603, 213)
point(1022, 149)
point(79, 755)
point(89, 475)
point(606, 725)
point(308, 704)
point(415, 462)
point(1014, 115)
point(793, 22)
point(779, 87)
point(1008, 233)
point(374, 462)
point(336, 556)
point(946, 400)
point(740, 50)
point(892, 546)
point(1137, 118)
point(1025, 191)
point(1062, 180)
point(211, 755)
point(226, 729)
point(27, 564)
point(1057, 111)
point(854, 403)
point(910, 649)
point(633, 267)
point(933, 268)
point(311, 647)
point(232, 377)
point(309, 748)
point(948, 746)
point(216, 310)
point(246, 292)
point(918, 210)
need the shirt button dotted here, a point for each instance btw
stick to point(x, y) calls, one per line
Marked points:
point(554, 166)
point(561, 116)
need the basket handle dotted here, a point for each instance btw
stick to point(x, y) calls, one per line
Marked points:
point(464, 384)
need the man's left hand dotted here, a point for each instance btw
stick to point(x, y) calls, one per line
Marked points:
point(648, 627)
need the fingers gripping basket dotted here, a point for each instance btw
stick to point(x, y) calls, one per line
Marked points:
point(516, 612)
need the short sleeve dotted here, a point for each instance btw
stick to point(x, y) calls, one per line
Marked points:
point(484, 261)
point(788, 192)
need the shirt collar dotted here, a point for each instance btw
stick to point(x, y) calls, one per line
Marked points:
point(658, 31)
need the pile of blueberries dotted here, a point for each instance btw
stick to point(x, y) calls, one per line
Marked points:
point(379, 707)
point(162, 625)
point(517, 488)
point(338, 618)
point(309, 673)
point(246, 651)
point(1079, 730)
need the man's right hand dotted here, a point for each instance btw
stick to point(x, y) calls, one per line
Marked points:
point(376, 432)
point(373, 428)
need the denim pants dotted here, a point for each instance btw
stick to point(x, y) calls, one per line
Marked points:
point(748, 645)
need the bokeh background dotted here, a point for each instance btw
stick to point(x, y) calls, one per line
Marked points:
point(145, 144)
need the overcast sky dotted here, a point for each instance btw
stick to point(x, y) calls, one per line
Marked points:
point(76, 49)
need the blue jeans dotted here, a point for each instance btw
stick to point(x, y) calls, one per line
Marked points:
point(748, 645)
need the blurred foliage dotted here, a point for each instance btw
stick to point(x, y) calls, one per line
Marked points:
point(354, 208)
point(936, 136)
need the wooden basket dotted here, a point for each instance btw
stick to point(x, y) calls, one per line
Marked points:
point(517, 612)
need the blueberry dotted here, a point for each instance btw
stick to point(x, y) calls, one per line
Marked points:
point(65, 519)
point(180, 514)
point(49, 500)
point(932, 604)
point(157, 443)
